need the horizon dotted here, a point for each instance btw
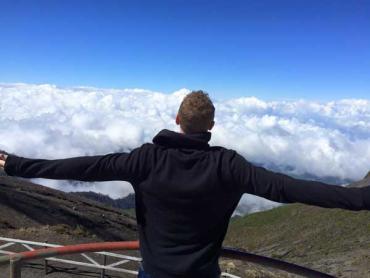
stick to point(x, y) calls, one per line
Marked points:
point(213, 96)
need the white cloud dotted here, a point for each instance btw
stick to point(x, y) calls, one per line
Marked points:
point(297, 137)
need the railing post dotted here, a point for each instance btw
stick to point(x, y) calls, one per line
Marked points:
point(102, 273)
point(15, 268)
point(46, 266)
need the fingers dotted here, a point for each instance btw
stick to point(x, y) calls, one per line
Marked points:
point(3, 158)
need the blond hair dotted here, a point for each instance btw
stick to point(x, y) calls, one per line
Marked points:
point(196, 112)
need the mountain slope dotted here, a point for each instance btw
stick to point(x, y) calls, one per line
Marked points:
point(334, 241)
point(24, 204)
point(331, 240)
point(127, 202)
point(364, 182)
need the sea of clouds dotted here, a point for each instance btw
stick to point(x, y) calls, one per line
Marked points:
point(302, 138)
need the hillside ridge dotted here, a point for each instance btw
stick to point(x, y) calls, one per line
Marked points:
point(33, 205)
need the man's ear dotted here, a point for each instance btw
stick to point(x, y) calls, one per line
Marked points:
point(211, 125)
point(177, 119)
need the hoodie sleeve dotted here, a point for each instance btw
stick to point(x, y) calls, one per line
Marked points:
point(285, 189)
point(113, 166)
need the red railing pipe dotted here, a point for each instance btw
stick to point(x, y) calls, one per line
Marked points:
point(72, 249)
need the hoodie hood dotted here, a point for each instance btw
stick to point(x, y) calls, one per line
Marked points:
point(168, 138)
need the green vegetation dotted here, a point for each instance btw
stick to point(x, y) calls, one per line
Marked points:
point(64, 229)
point(326, 239)
point(130, 212)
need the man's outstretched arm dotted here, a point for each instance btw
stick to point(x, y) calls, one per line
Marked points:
point(285, 189)
point(113, 166)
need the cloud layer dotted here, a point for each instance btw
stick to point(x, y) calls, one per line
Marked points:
point(330, 139)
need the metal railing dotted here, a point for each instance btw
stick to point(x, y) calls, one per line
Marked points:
point(85, 260)
point(16, 260)
point(49, 251)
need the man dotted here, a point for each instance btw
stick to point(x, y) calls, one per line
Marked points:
point(186, 190)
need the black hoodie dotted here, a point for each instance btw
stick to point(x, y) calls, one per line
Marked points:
point(186, 192)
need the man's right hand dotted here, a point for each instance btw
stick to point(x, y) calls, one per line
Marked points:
point(3, 158)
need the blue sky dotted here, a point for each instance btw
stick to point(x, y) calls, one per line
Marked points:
point(316, 50)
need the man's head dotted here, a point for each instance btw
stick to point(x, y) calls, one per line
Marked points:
point(196, 113)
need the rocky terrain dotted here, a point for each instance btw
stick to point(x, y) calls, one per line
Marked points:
point(127, 202)
point(24, 204)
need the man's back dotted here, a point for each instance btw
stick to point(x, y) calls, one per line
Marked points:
point(184, 205)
